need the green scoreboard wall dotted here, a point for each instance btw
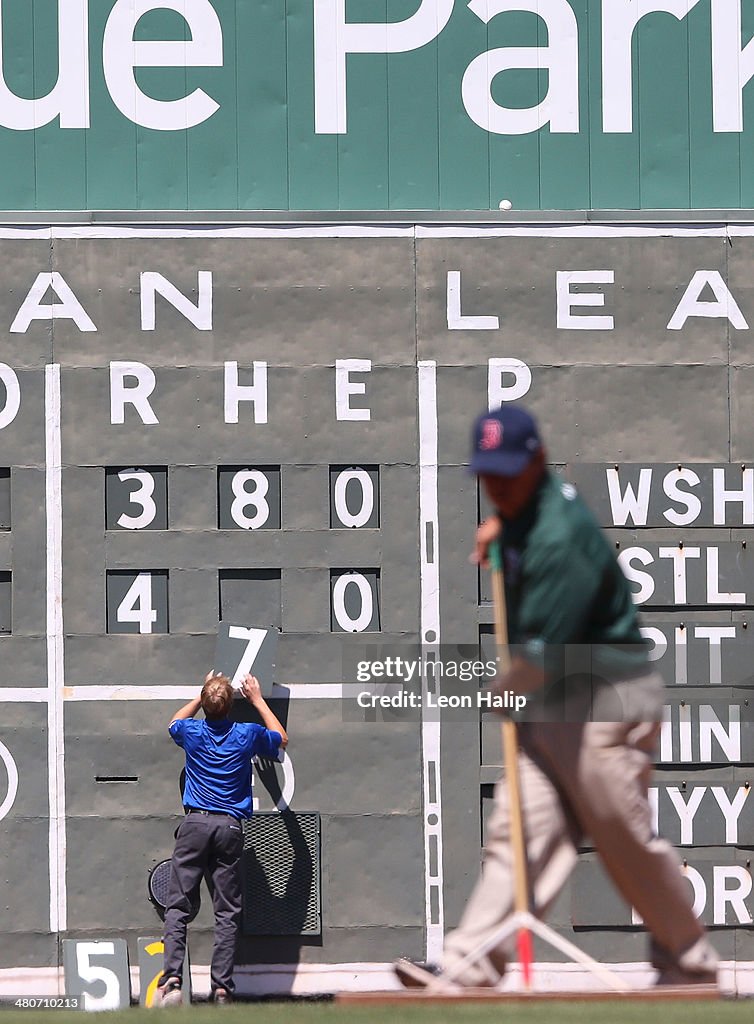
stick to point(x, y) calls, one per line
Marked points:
point(269, 426)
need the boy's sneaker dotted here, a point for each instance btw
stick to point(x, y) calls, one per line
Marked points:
point(221, 997)
point(171, 993)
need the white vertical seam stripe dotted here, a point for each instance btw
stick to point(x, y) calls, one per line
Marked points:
point(429, 582)
point(55, 678)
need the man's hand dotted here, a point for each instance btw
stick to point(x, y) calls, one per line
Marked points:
point(522, 679)
point(487, 532)
point(251, 689)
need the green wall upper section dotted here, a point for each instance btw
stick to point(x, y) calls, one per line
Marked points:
point(412, 139)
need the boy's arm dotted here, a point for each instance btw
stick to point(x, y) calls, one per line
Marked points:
point(253, 693)
point(190, 709)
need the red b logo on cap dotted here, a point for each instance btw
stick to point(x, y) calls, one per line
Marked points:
point(492, 435)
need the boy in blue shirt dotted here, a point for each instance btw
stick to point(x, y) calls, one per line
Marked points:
point(209, 841)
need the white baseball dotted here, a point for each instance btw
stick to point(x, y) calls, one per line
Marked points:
point(505, 204)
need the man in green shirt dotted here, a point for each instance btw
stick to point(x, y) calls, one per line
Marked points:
point(591, 724)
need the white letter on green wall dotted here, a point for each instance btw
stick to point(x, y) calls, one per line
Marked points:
point(619, 19)
point(335, 38)
point(732, 66)
point(121, 55)
point(69, 98)
point(560, 107)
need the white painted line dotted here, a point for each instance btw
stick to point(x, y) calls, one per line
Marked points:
point(296, 691)
point(198, 231)
point(573, 231)
point(43, 233)
point(23, 694)
point(55, 668)
point(429, 584)
point(115, 692)
point(331, 691)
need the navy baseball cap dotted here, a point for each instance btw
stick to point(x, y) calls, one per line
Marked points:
point(504, 441)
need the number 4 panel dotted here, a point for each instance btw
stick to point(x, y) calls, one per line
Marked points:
point(137, 602)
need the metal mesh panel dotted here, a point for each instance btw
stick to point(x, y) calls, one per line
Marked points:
point(281, 874)
point(159, 880)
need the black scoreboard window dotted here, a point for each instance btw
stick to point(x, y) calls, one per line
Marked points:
point(136, 498)
point(137, 601)
point(4, 498)
point(6, 603)
point(251, 595)
point(355, 600)
point(354, 497)
point(248, 497)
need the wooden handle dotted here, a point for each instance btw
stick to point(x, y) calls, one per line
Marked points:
point(510, 736)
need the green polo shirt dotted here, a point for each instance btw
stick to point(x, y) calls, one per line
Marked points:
point(565, 587)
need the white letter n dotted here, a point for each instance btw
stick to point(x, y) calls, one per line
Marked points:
point(200, 315)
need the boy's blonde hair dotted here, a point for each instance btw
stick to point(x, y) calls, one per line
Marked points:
point(217, 697)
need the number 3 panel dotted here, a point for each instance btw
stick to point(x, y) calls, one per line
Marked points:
point(136, 498)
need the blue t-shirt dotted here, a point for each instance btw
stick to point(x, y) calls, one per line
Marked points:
point(218, 761)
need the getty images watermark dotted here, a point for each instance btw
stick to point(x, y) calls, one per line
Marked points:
point(405, 680)
point(405, 671)
point(577, 682)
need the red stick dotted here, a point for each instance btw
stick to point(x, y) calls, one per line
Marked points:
point(525, 955)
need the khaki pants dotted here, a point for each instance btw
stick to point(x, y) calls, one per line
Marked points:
point(584, 779)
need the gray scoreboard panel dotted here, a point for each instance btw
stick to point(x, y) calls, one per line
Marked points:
point(24, 835)
point(123, 783)
point(720, 884)
point(306, 521)
point(687, 570)
point(601, 395)
point(701, 648)
point(261, 458)
point(705, 727)
point(665, 495)
point(703, 807)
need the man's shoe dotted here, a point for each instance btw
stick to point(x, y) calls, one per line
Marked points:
point(676, 977)
point(415, 975)
point(695, 966)
point(171, 994)
point(221, 997)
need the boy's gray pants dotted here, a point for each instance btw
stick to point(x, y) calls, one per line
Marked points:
point(211, 846)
